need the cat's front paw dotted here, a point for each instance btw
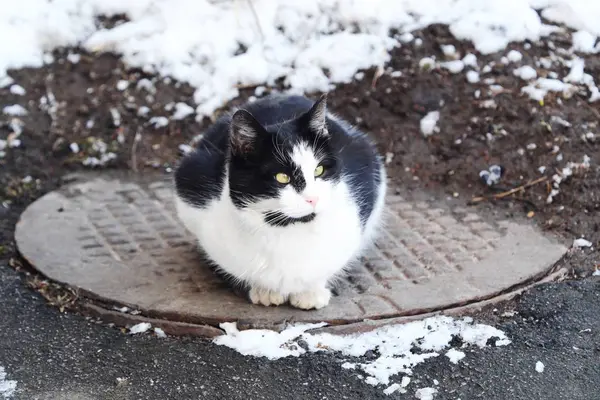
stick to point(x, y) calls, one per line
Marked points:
point(266, 297)
point(316, 299)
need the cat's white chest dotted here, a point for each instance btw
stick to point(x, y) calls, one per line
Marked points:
point(288, 259)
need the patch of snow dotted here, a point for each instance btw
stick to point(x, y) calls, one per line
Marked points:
point(538, 89)
point(159, 122)
point(472, 76)
point(392, 388)
point(558, 120)
point(576, 72)
point(185, 148)
point(539, 367)
point(74, 147)
point(455, 355)
point(596, 273)
point(116, 116)
point(427, 62)
point(160, 333)
point(7, 387)
point(454, 66)
point(147, 85)
point(448, 50)
point(396, 343)
point(525, 72)
point(514, 56)
point(406, 37)
point(584, 41)
point(73, 58)
point(122, 85)
point(15, 110)
point(140, 328)
point(18, 90)
point(425, 393)
point(143, 111)
point(470, 60)
point(296, 40)
point(429, 122)
point(5, 80)
point(182, 110)
point(581, 242)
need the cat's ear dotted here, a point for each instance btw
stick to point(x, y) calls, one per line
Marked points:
point(317, 116)
point(243, 131)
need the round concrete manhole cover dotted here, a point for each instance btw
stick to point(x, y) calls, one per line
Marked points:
point(118, 241)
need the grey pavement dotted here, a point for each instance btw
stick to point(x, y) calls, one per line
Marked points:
point(56, 355)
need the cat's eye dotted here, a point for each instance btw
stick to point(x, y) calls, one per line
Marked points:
point(319, 170)
point(282, 178)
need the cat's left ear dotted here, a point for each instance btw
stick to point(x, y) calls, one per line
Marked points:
point(317, 116)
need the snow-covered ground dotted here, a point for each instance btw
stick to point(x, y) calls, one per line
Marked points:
point(398, 348)
point(220, 45)
point(7, 387)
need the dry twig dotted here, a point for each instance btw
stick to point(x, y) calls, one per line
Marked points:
point(510, 192)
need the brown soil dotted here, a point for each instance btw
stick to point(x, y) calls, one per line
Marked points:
point(471, 137)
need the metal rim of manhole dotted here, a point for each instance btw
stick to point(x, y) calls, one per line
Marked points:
point(116, 239)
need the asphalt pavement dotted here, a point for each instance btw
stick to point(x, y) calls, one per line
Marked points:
point(55, 356)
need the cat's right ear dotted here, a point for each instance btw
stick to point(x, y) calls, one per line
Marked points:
point(243, 132)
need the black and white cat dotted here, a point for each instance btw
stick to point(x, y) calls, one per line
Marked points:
point(282, 197)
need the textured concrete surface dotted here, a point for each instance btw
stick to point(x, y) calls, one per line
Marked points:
point(119, 241)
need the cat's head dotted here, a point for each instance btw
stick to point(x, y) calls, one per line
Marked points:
point(287, 172)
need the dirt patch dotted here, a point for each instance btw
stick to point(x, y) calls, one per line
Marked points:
point(89, 111)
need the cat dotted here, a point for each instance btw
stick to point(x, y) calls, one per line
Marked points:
point(282, 197)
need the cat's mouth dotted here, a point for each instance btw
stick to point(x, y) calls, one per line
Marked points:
point(280, 219)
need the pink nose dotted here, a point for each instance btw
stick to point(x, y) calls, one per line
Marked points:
point(312, 200)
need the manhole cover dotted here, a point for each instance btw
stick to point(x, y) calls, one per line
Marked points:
point(118, 241)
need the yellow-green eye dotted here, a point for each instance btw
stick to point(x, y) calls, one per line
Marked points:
point(319, 170)
point(282, 178)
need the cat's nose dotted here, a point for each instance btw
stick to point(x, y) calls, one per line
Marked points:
point(312, 200)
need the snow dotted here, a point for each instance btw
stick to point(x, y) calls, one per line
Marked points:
point(395, 344)
point(427, 62)
point(159, 122)
point(292, 40)
point(454, 66)
point(15, 110)
point(392, 388)
point(576, 73)
point(7, 387)
point(429, 122)
point(472, 76)
point(448, 50)
point(182, 110)
point(538, 89)
point(425, 393)
point(140, 328)
point(74, 147)
point(514, 56)
point(264, 343)
point(122, 85)
point(581, 242)
point(539, 367)
point(584, 42)
point(160, 333)
point(73, 58)
point(455, 355)
point(470, 60)
point(18, 90)
point(525, 72)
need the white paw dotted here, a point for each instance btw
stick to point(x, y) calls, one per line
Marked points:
point(266, 297)
point(318, 298)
